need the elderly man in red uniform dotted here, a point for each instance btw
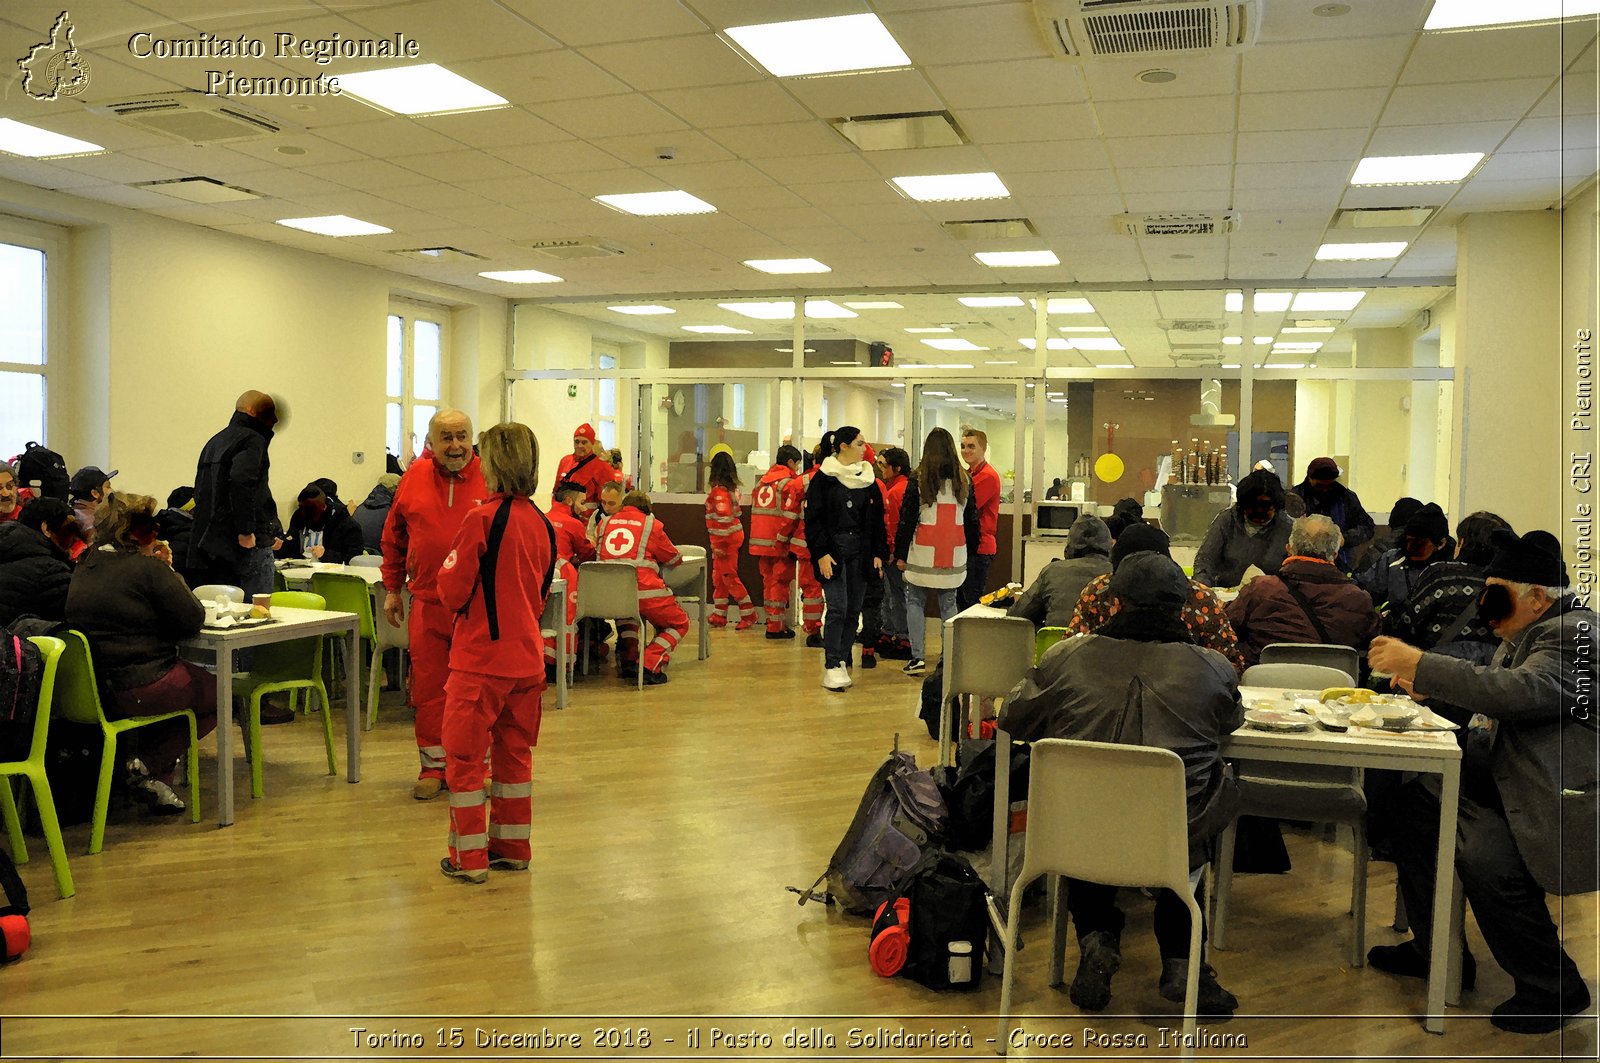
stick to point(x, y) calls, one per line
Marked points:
point(433, 498)
point(632, 534)
point(986, 496)
point(586, 467)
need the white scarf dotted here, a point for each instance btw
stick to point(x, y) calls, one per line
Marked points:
point(858, 475)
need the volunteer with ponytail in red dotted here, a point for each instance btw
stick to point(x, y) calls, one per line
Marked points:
point(726, 535)
point(770, 527)
point(494, 580)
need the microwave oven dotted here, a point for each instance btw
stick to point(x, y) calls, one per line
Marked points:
point(1055, 518)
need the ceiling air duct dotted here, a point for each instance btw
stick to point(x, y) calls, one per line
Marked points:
point(1092, 29)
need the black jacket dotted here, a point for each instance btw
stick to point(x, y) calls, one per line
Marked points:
point(341, 535)
point(134, 610)
point(833, 510)
point(177, 528)
point(231, 494)
point(1344, 507)
point(34, 575)
point(371, 514)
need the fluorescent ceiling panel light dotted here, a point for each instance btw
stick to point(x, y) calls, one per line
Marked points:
point(1320, 328)
point(520, 276)
point(884, 305)
point(642, 311)
point(1054, 343)
point(820, 308)
point(716, 330)
point(1054, 394)
point(19, 138)
point(807, 350)
point(1084, 328)
point(1468, 14)
point(1233, 302)
point(657, 204)
point(199, 190)
point(954, 345)
point(957, 365)
point(1070, 305)
point(937, 394)
point(1271, 302)
point(1262, 341)
point(1090, 343)
point(1296, 348)
point(336, 225)
point(427, 88)
point(1361, 252)
point(1285, 365)
point(998, 362)
point(1229, 365)
point(820, 45)
point(898, 384)
point(783, 311)
point(837, 363)
point(787, 265)
point(928, 331)
point(1326, 301)
point(1017, 259)
point(951, 187)
point(1415, 169)
point(989, 300)
point(1233, 341)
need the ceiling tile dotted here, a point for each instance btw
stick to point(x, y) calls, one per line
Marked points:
point(1011, 84)
point(1028, 125)
point(625, 20)
point(563, 157)
point(1288, 22)
point(1293, 145)
point(1443, 138)
point(1507, 52)
point(1343, 109)
point(367, 174)
point(389, 137)
point(1117, 79)
point(1197, 150)
point(1200, 114)
point(1298, 175)
point(788, 138)
point(1467, 101)
point(1048, 156)
point(725, 105)
point(1572, 133)
point(609, 116)
point(494, 129)
point(800, 170)
point(553, 76)
point(921, 161)
point(1300, 66)
point(674, 62)
point(1026, 186)
point(447, 38)
point(874, 92)
point(1174, 179)
point(968, 34)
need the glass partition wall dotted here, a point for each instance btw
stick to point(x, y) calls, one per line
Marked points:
point(1179, 386)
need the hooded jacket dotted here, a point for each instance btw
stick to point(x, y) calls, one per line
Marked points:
point(34, 575)
point(341, 535)
point(1266, 611)
point(1229, 548)
point(1053, 597)
point(231, 493)
point(371, 514)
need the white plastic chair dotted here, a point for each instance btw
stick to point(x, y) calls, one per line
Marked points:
point(1325, 654)
point(554, 619)
point(609, 590)
point(219, 592)
point(986, 657)
point(366, 561)
point(1112, 814)
point(1310, 792)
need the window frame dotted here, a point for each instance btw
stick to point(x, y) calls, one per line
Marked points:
point(51, 242)
point(410, 312)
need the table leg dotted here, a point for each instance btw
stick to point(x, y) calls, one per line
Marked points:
point(352, 701)
point(705, 604)
point(945, 758)
point(1444, 878)
point(1000, 840)
point(563, 658)
point(224, 737)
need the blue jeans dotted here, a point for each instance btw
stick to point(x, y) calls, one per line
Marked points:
point(255, 571)
point(894, 601)
point(844, 594)
point(916, 599)
point(977, 580)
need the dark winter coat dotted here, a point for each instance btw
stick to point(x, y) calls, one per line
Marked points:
point(1266, 612)
point(371, 514)
point(1444, 593)
point(1344, 507)
point(341, 535)
point(34, 575)
point(1053, 596)
point(231, 494)
point(1391, 579)
point(177, 528)
point(837, 516)
point(1228, 549)
point(134, 610)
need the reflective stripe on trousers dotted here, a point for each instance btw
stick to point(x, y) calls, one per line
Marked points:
point(497, 718)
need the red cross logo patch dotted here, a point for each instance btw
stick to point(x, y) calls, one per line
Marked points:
point(766, 497)
point(620, 542)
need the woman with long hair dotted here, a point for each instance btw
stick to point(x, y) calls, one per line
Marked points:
point(726, 535)
point(846, 539)
point(938, 530)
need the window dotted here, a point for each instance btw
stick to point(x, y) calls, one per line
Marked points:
point(23, 347)
point(415, 378)
point(605, 397)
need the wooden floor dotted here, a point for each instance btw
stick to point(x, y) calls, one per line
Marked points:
point(666, 826)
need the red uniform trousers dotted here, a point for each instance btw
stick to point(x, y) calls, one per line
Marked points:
point(671, 624)
point(430, 628)
point(725, 584)
point(497, 717)
point(810, 596)
point(777, 575)
point(569, 572)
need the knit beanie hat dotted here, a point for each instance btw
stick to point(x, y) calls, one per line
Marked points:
point(1137, 539)
point(1429, 523)
point(1534, 558)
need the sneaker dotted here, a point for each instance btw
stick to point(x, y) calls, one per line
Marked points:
point(786, 633)
point(1098, 959)
point(477, 878)
point(158, 797)
point(868, 658)
point(629, 672)
point(506, 863)
point(1211, 1000)
point(814, 640)
point(915, 666)
point(654, 679)
point(1408, 961)
point(1526, 1014)
point(836, 678)
point(427, 788)
point(134, 772)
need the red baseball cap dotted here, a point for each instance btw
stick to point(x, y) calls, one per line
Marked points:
point(584, 431)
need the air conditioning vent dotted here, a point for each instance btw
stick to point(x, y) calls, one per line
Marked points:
point(991, 229)
point(1183, 223)
point(191, 116)
point(1190, 325)
point(587, 247)
point(1127, 28)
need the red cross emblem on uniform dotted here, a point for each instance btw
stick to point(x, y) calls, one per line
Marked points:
point(620, 542)
point(765, 496)
point(944, 535)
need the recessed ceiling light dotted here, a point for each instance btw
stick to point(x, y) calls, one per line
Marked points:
point(957, 365)
point(1233, 341)
point(1017, 259)
point(1091, 343)
point(1415, 169)
point(787, 265)
point(784, 309)
point(1156, 77)
point(1054, 343)
point(198, 190)
point(1285, 365)
point(1229, 365)
point(1327, 301)
point(822, 308)
point(820, 45)
point(642, 311)
point(1262, 341)
point(1083, 328)
point(289, 149)
point(334, 225)
point(1069, 305)
point(1465, 14)
point(424, 89)
point(886, 304)
point(657, 204)
point(952, 187)
point(1361, 252)
point(717, 330)
point(1322, 328)
point(1233, 302)
point(1286, 347)
point(954, 345)
point(989, 300)
point(928, 331)
point(1271, 302)
point(897, 384)
point(937, 394)
point(520, 276)
point(999, 362)
point(19, 138)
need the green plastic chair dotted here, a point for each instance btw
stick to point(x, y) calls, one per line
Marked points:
point(1046, 637)
point(285, 666)
point(32, 769)
point(352, 594)
point(77, 694)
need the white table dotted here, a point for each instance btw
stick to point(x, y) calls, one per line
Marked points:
point(297, 571)
point(555, 617)
point(287, 624)
point(693, 578)
point(1439, 756)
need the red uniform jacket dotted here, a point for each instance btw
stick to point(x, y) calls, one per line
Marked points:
point(770, 524)
point(894, 492)
point(723, 529)
point(593, 473)
point(572, 535)
point(986, 496)
point(429, 506)
point(631, 535)
point(794, 510)
point(524, 559)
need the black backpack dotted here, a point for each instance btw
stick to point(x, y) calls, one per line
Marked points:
point(44, 470)
point(947, 904)
point(21, 674)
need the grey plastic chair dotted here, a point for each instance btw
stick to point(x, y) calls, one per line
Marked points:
point(609, 590)
point(1309, 792)
point(219, 592)
point(986, 657)
point(554, 618)
point(1085, 801)
point(1343, 658)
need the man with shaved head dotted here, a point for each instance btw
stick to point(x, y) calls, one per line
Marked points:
point(235, 519)
point(433, 498)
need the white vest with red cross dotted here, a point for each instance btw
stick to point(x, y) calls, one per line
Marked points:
point(938, 554)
